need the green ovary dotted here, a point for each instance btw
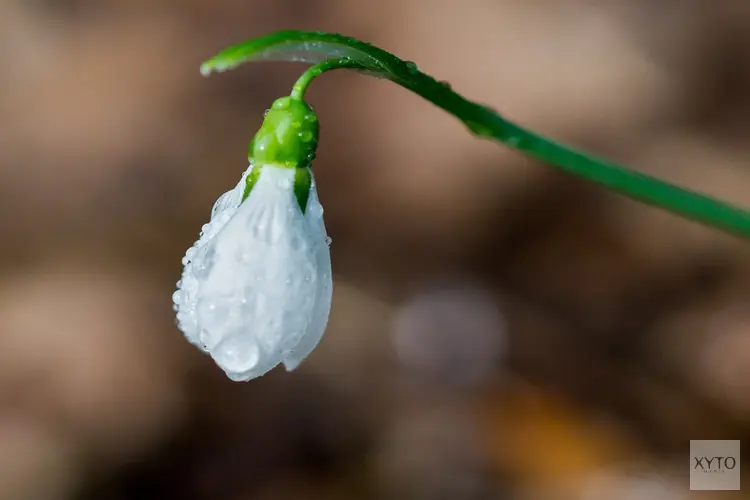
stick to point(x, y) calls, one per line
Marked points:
point(288, 136)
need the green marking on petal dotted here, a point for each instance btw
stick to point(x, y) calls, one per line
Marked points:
point(251, 180)
point(302, 186)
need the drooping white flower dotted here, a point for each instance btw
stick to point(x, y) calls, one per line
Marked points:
point(256, 287)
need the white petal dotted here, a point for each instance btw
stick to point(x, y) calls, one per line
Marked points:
point(322, 307)
point(195, 261)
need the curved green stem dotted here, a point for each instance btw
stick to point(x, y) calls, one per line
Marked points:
point(300, 87)
point(334, 51)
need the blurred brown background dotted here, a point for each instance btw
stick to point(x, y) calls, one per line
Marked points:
point(499, 331)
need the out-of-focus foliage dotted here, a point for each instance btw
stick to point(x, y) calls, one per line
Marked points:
point(498, 331)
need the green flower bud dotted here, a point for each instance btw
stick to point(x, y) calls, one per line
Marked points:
point(288, 136)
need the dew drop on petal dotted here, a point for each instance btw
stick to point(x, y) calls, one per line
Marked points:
point(248, 306)
point(237, 353)
point(329, 240)
point(212, 314)
point(297, 243)
point(258, 231)
point(244, 256)
point(221, 203)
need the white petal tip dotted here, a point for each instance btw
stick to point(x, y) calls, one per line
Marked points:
point(238, 377)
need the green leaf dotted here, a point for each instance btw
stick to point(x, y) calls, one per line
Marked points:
point(308, 47)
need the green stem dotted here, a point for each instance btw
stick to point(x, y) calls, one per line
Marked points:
point(636, 185)
point(300, 87)
point(333, 51)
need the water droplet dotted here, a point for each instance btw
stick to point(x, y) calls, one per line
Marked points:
point(479, 129)
point(179, 283)
point(513, 142)
point(311, 118)
point(212, 314)
point(190, 253)
point(281, 104)
point(329, 240)
point(177, 297)
point(237, 354)
point(221, 204)
point(185, 261)
point(316, 210)
point(307, 277)
point(445, 85)
point(412, 67)
point(247, 306)
point(265, 113)
point(296, 124)
point(306, 136)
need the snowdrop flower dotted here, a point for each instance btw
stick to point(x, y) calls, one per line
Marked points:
point(256, 287)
